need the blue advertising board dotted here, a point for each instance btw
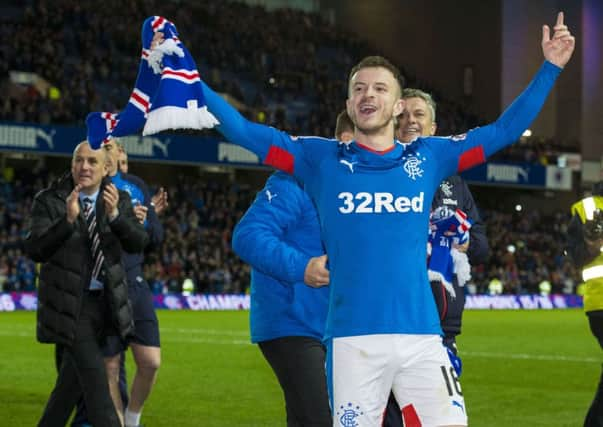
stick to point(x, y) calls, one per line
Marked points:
point(61, 140)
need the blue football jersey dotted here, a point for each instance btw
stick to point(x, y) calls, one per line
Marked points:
point(374, 207)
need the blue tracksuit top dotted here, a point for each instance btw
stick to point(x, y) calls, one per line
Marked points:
point(374, 207)
point(277, 236)
point(139, 193)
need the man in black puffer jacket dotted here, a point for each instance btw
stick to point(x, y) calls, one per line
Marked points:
point(75, 309)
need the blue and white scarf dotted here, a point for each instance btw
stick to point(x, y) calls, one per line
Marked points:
point(167, 93)
point(448, 228)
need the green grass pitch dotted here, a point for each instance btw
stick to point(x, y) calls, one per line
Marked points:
point(521, 368)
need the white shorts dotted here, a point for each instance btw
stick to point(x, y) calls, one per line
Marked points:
point(362, 370)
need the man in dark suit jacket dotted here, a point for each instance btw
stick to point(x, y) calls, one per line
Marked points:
point(76, 308)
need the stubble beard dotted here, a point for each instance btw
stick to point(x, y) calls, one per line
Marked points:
point(377, 129)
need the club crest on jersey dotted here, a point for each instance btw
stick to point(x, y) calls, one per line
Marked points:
point(446, 188)
point(412, 166)
point(347, 415)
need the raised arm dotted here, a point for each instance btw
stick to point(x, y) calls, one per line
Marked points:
point(274, 148)
point(475, 146)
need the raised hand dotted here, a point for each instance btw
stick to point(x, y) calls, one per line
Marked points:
point(111, 198)
point(316, 274)
point(73, 204)
point(558, 50)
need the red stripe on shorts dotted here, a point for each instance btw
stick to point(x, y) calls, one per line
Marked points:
point(410, 417)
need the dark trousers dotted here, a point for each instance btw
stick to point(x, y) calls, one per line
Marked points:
point(81, 416)
point(299, 365)
point(82, 370)
point(594, 417)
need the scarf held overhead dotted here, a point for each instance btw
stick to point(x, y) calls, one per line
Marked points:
point(167, 93)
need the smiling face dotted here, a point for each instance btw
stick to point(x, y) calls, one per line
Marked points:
point(88, 167)
point(373, 99)
point(416, 120)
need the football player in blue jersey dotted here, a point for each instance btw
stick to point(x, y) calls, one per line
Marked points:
point(383, 331)
point(419, 119)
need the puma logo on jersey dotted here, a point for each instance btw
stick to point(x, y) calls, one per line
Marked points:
point(270, 195)
point(348, 164)
point(381, 202)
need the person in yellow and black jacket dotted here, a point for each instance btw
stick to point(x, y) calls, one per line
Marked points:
point(585, 246)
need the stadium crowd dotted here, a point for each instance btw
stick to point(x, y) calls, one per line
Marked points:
point(91, 63)
point(526, 248)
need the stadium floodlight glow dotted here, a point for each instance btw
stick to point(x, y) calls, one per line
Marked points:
point(527, 133)
point(511, 249)
point(518, 208)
